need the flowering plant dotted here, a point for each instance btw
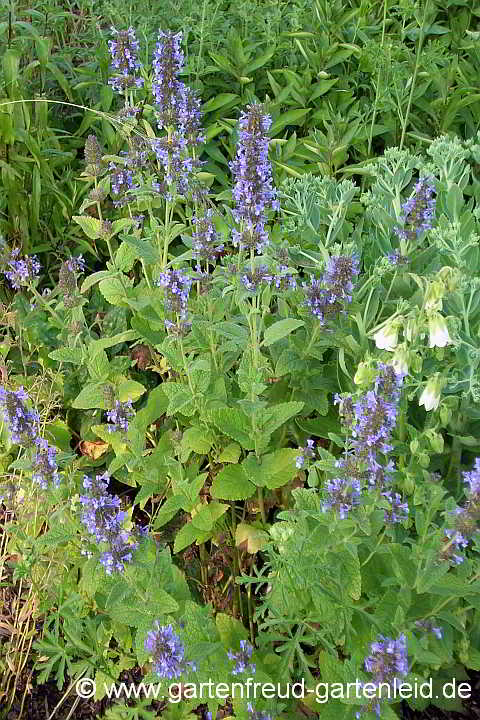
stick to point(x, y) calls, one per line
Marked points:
point(256, 374)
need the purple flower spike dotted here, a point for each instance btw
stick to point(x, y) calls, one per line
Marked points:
point(328, 296)
point(120, 415)
point(418, 211)
point(253, 193)
point(103, 518)
point(123, 49)
point(21, 272)
point(23, 424)
point(167, 651)
point(242, 659)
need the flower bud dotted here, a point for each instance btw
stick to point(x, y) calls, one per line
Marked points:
point(410, 328)
point(434, 294)
point(400, 360)
point(387, 337)
point(430, 396)
point(438, 330)
point(365, 374)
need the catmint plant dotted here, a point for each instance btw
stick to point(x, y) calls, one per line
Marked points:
point(23, 424)
point(119, 416)
point(253, 193)
point(242, 659)
point(257, 714)
point(327, 297)
point(388, 660)
point(45, 469)
point(21, 271)
point(306, 452)
point(206, 242)
point(167, 651)
point(103, 519)
point(123, 49)
point(418, 211)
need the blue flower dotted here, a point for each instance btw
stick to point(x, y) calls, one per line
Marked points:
point(327, 297)
point(123, 49)
point(23, 424)
point(418, 211)
point(21, 272)
point(253, 193)
point(387, 661)
point(257, 714)
point(242, 658)
point(103, 518)
point(306, 452)
point(167, 652)
point(120, 415)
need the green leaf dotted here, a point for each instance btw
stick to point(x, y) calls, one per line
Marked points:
point(187, 535)
point(272, 418)
point(168, 510)
point(67, 355)
point(279, 468)
point(92, 227)
point(197, 439)
point(230, 454)
point(96, 277)
point(205, 518)
point(104, 343)
point(113, 290)
point(125, 257)
point(130, 390)
point(291, 117)
point(234, 423)
point(219, 101)
point(254, 537)
point(231, 631)
point(90, 397)
point(231, 483)
point(180, 398)
point(142, 248)
point(280, 329)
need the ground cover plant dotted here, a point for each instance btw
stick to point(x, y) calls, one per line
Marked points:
point(240, 349)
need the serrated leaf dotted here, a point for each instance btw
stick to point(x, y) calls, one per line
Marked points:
point(197, 439)
point(279, 468)
point(113, 291)
point(280, 329)
point(180, 398)
point(143, 249)
point(90, 397)
point(230, 454)
point(273, 418)
point(125, 257)
point(66, 355)
point(234, 423)
point(92, 227)
point(231, 483)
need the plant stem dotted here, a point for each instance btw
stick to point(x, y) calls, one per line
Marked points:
point(46, 305)
point(415, 73)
